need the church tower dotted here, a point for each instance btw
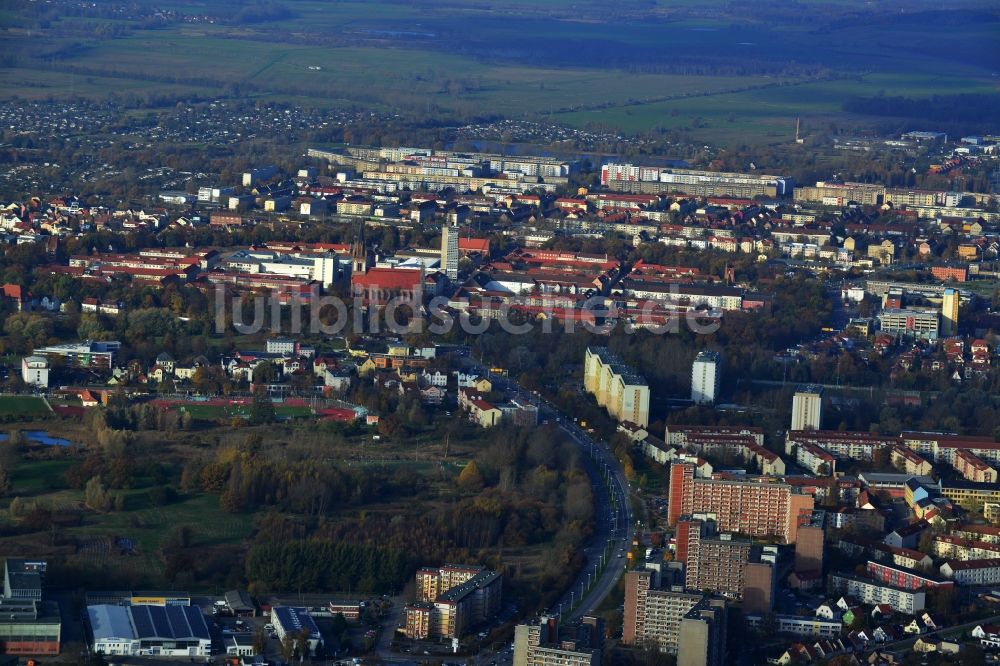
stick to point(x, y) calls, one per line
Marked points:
point(362, 258)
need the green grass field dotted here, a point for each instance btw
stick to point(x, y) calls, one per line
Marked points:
point(218, 412)
point(22, 406)
point(39, 477)
point(148, 526)
point(769, 113)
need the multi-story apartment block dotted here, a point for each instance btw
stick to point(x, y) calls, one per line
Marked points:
point(754, 507)
point(815, 459)
point(951, 547)
point(973, 468)
point(702, 637)
point(909, 322)
point(726, 565)
point(653, 616)
point(807, 408)
point(545, 643)
point(840, 194)
point(681, 295)
point(949, 312)
point(809, 542)
point(908, 461)
point(901, 197)
point(715, 563)
point(728, 448)
point(985, 533)
point(942, 447)
point(631, 178)
point(972, 572)
point(682, 435)
point(841, 445)
point(417, 619)
point(871, 592)
point(452, 599)
point(706, 373)
point(432, 583)
point(905, 578)
point(617, 388)
point(449, 251)
point(798, 625)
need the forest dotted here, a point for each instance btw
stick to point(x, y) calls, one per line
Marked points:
point(968, 113)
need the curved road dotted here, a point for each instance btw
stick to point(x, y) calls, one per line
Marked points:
point(613, 519)
point(613, 530)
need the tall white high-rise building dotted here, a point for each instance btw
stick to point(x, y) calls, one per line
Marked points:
point(706, 372)
point(807, 408)
point(449, 251)
point(949, 312)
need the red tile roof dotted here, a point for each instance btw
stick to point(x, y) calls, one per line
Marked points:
point(388, 278)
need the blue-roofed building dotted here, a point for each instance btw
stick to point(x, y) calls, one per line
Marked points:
point(145, 630)
point(293, 621)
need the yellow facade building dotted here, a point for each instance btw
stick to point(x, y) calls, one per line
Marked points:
point(617, 388)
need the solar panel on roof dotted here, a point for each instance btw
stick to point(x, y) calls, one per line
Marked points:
point(161, 624)
point(143, 621)
point(197, 623)
point(175, 621)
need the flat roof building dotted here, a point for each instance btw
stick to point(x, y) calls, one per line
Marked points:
point(753, 506)
point(451, 600)
point(702, 639)
point(807, 408)
point(706, 373)
point(144, 630)
point(29, 627)
point(546, 643)
point(291, 620)
point(652, 615)
point(22, 579)
point(89, 354)
point(616, 386)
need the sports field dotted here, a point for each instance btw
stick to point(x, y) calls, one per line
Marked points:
point(220, 409)
point(22, 407)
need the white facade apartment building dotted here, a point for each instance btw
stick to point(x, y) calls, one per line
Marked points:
point(800, 626)
point(449, 251)
point(706, 373)
point(871, 593)
point(972, 572)
point(807, 408)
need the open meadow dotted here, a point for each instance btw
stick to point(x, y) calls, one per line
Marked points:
point(716, 70)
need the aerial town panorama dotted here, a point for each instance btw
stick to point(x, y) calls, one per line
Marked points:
point(467, 333)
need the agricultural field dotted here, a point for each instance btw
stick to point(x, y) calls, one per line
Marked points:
point(713, 69)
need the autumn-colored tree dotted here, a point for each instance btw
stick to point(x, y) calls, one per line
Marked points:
point(471, 479)
point(96, 496)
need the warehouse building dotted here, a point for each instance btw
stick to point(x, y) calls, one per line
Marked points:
point(293, 621)
point(144, 630)
point(29, 627)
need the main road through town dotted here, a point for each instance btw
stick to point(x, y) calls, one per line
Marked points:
point(605, 552)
